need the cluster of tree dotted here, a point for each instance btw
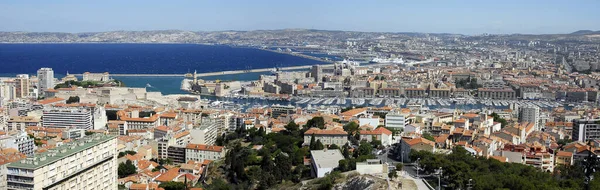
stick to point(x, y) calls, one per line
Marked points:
point(161, 163)
point(126, 169)
point(73, 99)
point(172, 185)
point(118, 83)
point(328, 181)
point(280, 159)
point(468, 83)
point(84, 84)
point(460, 166)
point(36, 141)
point(316, 122)
point(499, 119)
point(360, 154)
point(428, 136)
point(121, 154)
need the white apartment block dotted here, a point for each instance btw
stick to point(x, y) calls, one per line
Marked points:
point(67, 118)
point(89, 163)
point(19, 141)
point(205, 134)
point(45, 79)
point(396, 120)
point(201, 152)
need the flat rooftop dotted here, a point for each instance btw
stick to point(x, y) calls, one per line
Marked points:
point(327, 158)
point(52, 155)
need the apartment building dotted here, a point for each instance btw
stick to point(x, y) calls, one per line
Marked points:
point(277, 110)
point(586, 129)
point(45, 79)
point(530, 114)
point(381, 133)
point(206, 133)
point(19, 141)
point(20, 123)
point(67, 118)
point(201, 152)
point(133, 121)
point(22, 86)
point(396, 120)
point(327, 137)
point(88, 163)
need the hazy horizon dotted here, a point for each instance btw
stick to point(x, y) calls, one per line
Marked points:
point(459, 17)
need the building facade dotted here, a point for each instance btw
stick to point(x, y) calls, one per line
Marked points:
point(586, 129)
point(201, 152)
point(530, 114)
point(45, 79)
point(67, 118)
point(88, 163)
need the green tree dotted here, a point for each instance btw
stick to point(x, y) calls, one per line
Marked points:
point(121, 154)
point(499, 119)
point(317, 122)
point(393, 174)
point(312, 142)
point(345, 151)
point(343, 165)
point(327, 182)
point(399, 166)
point(376, 143)
point(334, 146)
point(73, 99)
point(283, 166)
point(219, 184)
point(365, 148)
point(428, 136)
point(351, 127)
point(126, 169)
point(318, 145)
point(292, 126)
point(172, 185)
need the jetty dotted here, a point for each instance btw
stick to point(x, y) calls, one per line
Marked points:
point(217, 73)
point(233, 71)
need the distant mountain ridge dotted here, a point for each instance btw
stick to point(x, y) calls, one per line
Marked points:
point(585, 32)
point(254, 37)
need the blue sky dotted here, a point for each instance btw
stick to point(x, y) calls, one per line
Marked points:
point(451, 16)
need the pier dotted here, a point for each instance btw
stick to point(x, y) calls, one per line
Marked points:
point(216, 73)
point(234, 71)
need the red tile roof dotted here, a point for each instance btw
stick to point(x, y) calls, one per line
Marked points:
point(168, 175)
point(318, 131)
point(378, 131)
point(50, 101)
point(204, 147)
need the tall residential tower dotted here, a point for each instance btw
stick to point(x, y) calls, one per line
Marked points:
point(45, 79)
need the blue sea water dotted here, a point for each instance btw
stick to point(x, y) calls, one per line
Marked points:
point(142, 59)
point(139, 58)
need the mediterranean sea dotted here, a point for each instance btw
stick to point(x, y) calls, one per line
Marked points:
point(142, 59)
